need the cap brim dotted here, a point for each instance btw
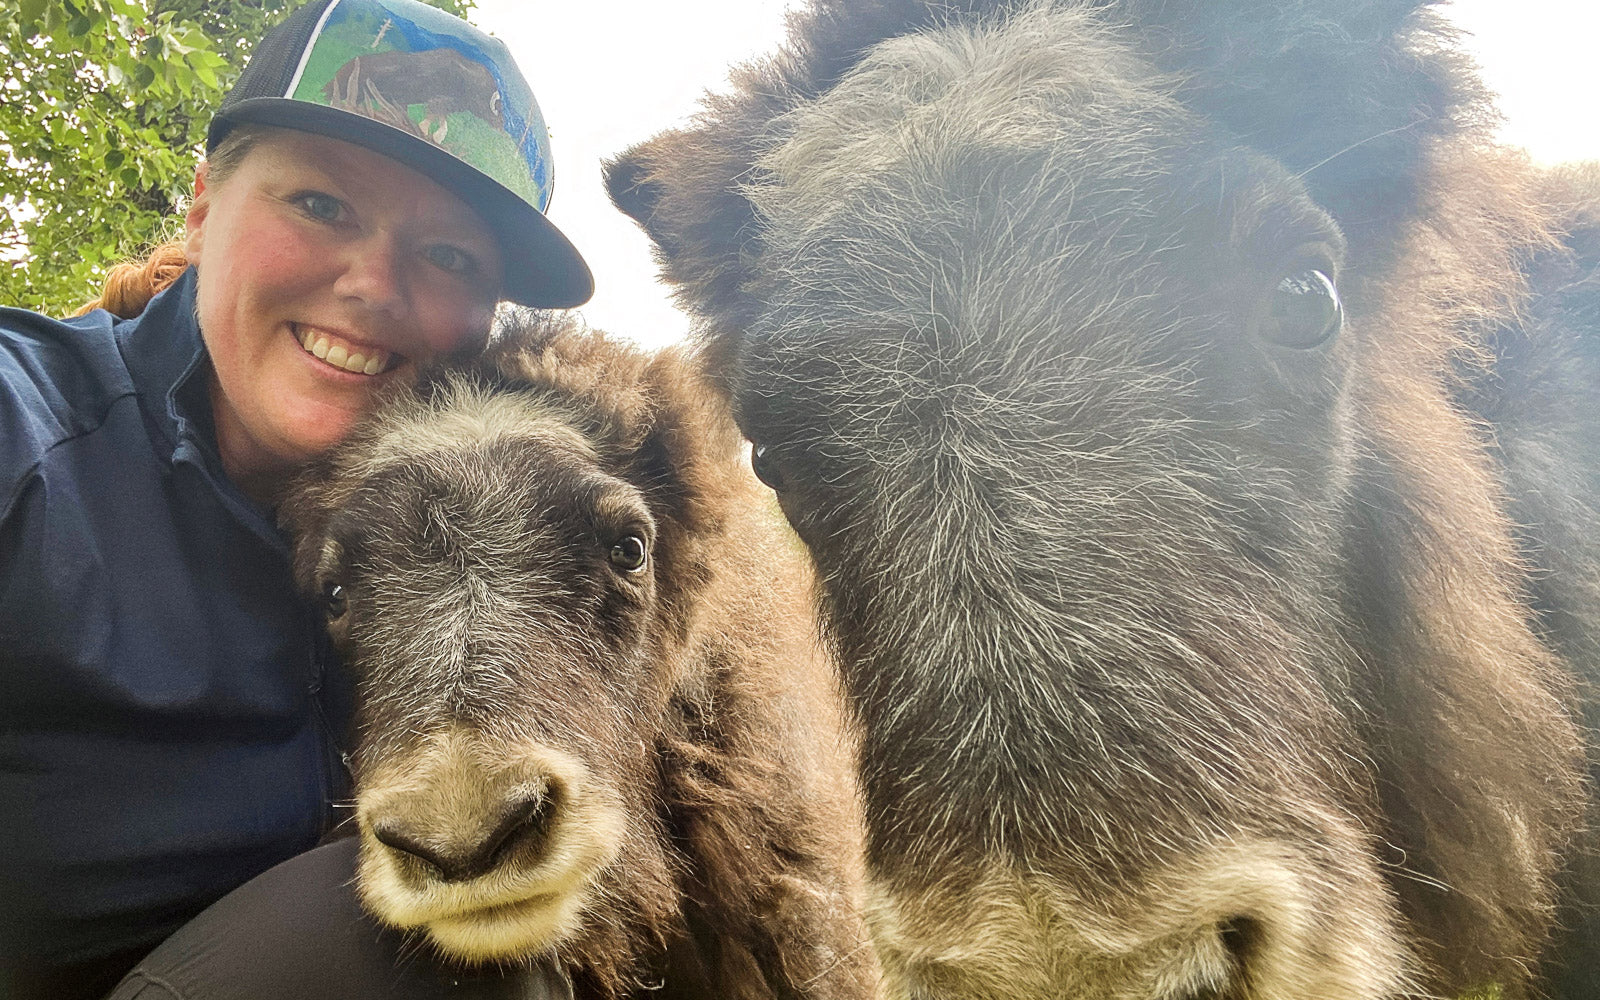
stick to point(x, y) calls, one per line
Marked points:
point(542, 268)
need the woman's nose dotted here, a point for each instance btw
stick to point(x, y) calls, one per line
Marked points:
point(373, 273)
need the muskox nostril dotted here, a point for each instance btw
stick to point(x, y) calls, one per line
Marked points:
point(399, 840)
point(521, 824)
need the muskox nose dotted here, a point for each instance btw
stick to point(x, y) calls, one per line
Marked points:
point(522, 825)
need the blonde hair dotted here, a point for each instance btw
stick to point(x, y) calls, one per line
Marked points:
point(130, 285)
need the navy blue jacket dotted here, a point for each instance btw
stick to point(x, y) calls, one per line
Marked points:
point(166, 699)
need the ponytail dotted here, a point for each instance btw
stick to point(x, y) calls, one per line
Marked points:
point(132, 284)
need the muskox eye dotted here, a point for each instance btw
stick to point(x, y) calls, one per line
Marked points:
point(766, 467)
point(628, 553)
point(334, 601)
point(1303, 312)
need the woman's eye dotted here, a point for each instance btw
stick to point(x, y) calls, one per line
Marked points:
point(322, 207)
point(449, 258)
point(628, 553)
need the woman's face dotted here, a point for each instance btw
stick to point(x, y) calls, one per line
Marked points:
point(325, 271)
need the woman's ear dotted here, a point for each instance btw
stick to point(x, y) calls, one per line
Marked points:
point(194, 221)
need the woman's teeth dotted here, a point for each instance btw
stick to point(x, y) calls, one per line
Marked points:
point(367, 361)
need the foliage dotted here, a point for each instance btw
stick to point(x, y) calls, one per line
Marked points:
point(103, 111)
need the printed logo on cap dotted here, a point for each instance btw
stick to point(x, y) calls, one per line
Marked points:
point(415, 72)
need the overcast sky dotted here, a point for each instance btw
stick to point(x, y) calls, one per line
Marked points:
point(608, 73)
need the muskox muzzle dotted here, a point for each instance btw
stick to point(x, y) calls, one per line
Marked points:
point(486, 845)
point(518, 821)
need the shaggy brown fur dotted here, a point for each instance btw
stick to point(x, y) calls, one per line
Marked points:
point(1539, 394)
point(1189, 632)
point(594, 716)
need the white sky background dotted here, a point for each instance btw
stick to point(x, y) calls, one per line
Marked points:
point(609, 73)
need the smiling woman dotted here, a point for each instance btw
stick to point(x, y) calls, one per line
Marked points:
point(173, 716)
point(326, 270)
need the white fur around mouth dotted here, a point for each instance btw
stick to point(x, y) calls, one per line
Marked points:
point(342, 354)
point(506, 931)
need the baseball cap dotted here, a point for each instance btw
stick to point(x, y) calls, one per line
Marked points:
point(431, 91)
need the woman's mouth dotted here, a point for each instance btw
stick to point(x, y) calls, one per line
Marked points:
point(336, 352)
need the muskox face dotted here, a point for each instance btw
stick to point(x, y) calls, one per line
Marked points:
point(1086, 297)
point(493, 589)
point(1017, 331)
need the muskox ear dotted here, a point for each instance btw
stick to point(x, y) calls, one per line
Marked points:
point(304, 515)
point(693, 451)
point(684, 188)
point(691, 462)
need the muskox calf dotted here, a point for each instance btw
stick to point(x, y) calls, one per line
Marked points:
point(594, 717)
point(1109, 357)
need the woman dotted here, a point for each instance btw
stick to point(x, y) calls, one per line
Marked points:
point(170, 713)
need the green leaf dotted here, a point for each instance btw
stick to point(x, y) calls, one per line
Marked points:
point(207, 66)
point(29, 14)
point(103, 105)
point(206, 70)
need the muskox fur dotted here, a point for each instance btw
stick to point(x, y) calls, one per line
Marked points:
point(1539, 397)
point(1193, 659)
point(643, 770)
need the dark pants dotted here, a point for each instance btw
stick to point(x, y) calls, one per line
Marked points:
point(298, 932)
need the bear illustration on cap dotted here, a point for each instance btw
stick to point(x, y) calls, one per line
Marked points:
point(383, 85)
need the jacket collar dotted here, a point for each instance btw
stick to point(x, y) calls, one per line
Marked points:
point(169, 366)
point(171, 371)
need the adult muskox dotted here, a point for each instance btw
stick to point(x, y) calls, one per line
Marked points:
point(594, 719)
point(1110, 359)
